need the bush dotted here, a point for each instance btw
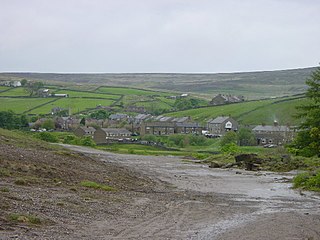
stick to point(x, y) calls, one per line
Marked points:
point(308, 181)
point(230, 148)
point(87, 141)
point(48, 137)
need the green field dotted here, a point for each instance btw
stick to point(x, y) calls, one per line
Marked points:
point(130, 91)
point(79, 94)
point(15, 92)
point(154, 105)
point(20, 105)
point(3, 88)
point(75, 104)
point(253, 112)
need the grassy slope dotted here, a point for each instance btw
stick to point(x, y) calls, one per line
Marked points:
point(20, 105)
point(76, 105)
point(254, 112)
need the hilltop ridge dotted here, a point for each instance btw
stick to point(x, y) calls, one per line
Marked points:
point(253, 85)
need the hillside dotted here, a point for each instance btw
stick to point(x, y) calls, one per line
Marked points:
point(253, 85)
point(251, 112)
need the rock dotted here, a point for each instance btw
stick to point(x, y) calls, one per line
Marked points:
point(215, 165)
point(245, 157)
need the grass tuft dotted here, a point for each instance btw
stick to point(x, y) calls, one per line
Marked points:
point(90, 184)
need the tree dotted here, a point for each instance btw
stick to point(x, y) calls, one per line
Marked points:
point(100, 114)
point(246, 137)
point(228, 138)
point(308, 138)
point(83, 121)
point(23, 82)
point(48, 124)
point(33, 87)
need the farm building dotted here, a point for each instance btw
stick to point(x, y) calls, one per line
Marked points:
point(221, 125)
point(275, 134)
point(103, 134)
point(84, 131)
point(221, 99)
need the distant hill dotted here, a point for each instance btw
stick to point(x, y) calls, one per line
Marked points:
point(252, 85)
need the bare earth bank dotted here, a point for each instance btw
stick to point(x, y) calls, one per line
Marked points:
point(214, 204)
point(157, 198)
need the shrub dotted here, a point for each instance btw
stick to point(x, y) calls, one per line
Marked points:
point(48, 137)
point(309, 181)
point(230, 148)
point(87, 141)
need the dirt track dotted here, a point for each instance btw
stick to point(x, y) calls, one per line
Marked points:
point(203, 203)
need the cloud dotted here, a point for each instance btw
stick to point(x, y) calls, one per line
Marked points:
point(158, 36)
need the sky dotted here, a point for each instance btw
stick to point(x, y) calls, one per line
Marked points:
point(184, 36)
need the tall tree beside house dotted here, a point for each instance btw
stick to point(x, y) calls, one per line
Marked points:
point(308, 139)
point(33, 87)
point(83, 121)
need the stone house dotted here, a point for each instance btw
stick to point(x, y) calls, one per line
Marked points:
point(84, 131)
point(221, 99)
point(168, 126)
point(136, 109)
point(221, 125)
point(103, 134)
point(117, 117)
point(273, 134)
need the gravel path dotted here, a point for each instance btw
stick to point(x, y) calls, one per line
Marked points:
point(204, 203)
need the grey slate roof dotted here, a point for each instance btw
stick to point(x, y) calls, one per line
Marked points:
point(269, 128)
point(88, 129)
point(219, 120)
point(116, 130)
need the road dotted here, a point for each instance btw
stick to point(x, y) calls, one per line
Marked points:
point(205, 203)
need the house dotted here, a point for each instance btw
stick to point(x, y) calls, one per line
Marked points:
point(102, 135)
point(60, 95)
point(56, 110)
point(10, 83)
point(66, 123)
point(221, 125)
point(273, 134)
point(137, 109)
point(169, 125)
point(44, 93)
point(84, 131)
point(186, 128)
point(157, 128)
point(221, 99)
point(118, 117)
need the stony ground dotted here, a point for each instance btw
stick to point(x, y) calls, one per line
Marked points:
point(155, 198)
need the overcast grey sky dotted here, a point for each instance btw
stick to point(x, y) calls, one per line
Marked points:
point(158, 35)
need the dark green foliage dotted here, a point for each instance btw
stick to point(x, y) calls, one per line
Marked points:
point(83, 121)
point(309, 181)
point(187, 103)
point(246, 137)
point(308, 139)
point(48, 124)
point(100, 114)
point(23, 82)
point(228, 138)
point(87, 141)
point(48, 137)
point(33, 87)
point(10, 120)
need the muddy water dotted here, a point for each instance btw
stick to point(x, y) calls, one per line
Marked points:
point(268, 207)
